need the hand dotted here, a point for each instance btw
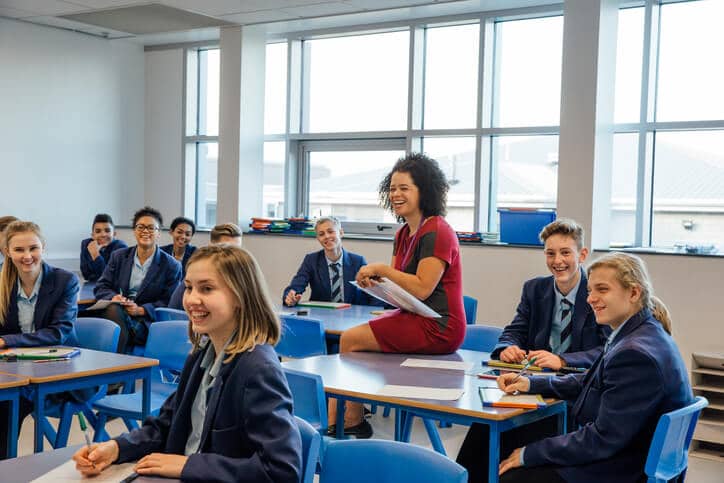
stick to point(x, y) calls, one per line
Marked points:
point(512, 354)
point(546, 359)
point(132, 309)
point(94, 249)
point(505, 382)
point(119, 298)
point(100, 457)
point(512, 461)
point(292, 298)
point(367, 274)
point(2, 343)
point(167, 465)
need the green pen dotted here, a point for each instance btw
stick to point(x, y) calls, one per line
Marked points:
point(86, 434)
point(525, 368)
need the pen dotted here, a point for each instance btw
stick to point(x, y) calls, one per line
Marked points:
point(84, 428)
point(59, 359)
point(525, 368)
point(130, 478)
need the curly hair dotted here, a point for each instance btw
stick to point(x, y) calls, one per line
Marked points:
point(429, 179)
point(148, 211)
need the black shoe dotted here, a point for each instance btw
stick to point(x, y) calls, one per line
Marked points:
point(361, 431)
point(366, 413)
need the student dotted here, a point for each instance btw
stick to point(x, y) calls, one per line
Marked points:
point(225, 233)
point(182, 229)
point(37, 302)
point(244, 431)
point(4, 222)
point(96, 250)
point(328, 271)
point(616, 405)
point(553, 322)
point(425, 262)
point(140, 278)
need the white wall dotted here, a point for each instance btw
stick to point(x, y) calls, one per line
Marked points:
point(71, 130)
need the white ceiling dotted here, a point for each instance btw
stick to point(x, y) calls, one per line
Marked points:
point(282, 15)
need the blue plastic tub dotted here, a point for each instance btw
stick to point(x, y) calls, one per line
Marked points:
point(521, 227)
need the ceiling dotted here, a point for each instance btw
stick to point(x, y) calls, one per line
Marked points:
point(169, 21)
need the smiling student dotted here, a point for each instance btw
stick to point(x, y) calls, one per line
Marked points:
point(182, 230)
point(96, 250)
point(231, 417)
point(38, 303)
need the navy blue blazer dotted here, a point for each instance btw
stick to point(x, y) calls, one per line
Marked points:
point(188, 251)
point(177, 297)
point(162, 277)
point(314, 272)
point(249, 432)
point(531, 326)
point(55, 311)
point(93, 269)
point(617, 405)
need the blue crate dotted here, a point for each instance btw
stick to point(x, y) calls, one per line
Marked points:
point(521, 227)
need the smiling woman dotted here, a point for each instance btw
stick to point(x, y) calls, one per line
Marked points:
point(182, 230)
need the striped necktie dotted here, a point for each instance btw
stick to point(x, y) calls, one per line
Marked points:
point(336, 283)
point(566, 326)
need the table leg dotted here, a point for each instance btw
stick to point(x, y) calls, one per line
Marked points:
point(13, 416)
point(146, 397)
point(494, 453)
point(340, 418)
point(39, 415)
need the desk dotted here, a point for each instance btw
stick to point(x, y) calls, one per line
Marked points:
point(358, 376)
point(10, 391)
point(27, 468)
point(86, 296)
point(88, 369)
point(336, 321)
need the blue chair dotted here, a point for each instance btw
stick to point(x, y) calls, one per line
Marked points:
point(308, 396)
point(669, 451)
point(88, 333)
point(481, 338)
point(164, 313)
point(169, 343)
point(362, 461)
point(301, 337)
point(471, 309)
point(311, 445)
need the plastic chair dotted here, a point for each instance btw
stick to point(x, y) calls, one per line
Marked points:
point(311, 445)
point(301, 337)
point(669, 451)
point(308, 396)
point(481, 338)
point(164, 313)
point(471, 309)
point(358, 461)
point(88, 333)
point(169, 343)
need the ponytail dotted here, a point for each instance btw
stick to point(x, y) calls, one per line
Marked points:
point(660, 313)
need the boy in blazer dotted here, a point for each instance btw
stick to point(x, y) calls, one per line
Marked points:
point(96, 250)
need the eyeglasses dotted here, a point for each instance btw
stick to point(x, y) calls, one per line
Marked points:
point(146, 228)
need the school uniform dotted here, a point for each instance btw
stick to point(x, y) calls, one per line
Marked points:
point(315, 272)
point(177, 297)
point(93, 269)
point(248, 432)
point(188, 251)
point(531, 327)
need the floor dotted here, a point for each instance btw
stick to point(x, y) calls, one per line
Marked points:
point(700, 470)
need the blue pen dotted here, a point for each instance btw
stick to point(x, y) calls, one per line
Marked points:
point(130, 478)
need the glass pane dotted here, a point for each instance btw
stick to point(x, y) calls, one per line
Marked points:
point(209, 68)
point(528, 68)
point(275, 89)
point(688, 188)
point(527, 169)
point(451, 76)
point(623, 189)
point(358, 83)
point(273, 190)
point(344, 184)
point(629, 51)
point(456, 157)
point(690, 76)
point(207, 155)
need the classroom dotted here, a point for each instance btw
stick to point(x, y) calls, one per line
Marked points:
point(607, 111)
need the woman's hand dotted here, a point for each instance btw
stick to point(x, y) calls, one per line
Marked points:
point(546, 359)
point(99, 457)
point(367, 274)
point(506, 383)
point(512, 461)
point(167, 465)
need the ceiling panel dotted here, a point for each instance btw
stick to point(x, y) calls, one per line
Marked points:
point(43, 7)
point(321, 9)
point(262, 16)
point(13, 12)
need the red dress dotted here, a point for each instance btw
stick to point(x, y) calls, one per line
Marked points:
point(405, 332)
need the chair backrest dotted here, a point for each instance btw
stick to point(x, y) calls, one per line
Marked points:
point(311, 445)
point(169, 343)
point(308, 395)
point(164, 313)
point(668, 453)
point(301, 337)
point(481, 338)
point(471, 309)
point(95, 333)
point(382, 461)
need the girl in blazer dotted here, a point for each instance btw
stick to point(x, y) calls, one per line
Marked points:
point(231, 417)
point(38, 303)
point(182, 230)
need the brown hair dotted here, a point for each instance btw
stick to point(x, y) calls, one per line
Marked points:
point(631, 271)
point(9, 273)
point(565, 227)
point(257, 322)
point(226, 229)
point(5, 221)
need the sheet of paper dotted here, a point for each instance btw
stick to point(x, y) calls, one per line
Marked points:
point(67, 473)
point(391, 293)
point(102, 304)
point(434, 364)
point(418, 392)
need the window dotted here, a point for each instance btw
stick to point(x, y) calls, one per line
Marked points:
point(273, 190)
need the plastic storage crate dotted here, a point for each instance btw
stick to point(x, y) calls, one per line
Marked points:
point(521, 227)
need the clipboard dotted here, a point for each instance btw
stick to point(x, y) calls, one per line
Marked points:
point(392, 294)
point(494, 397)
point(38, 353)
